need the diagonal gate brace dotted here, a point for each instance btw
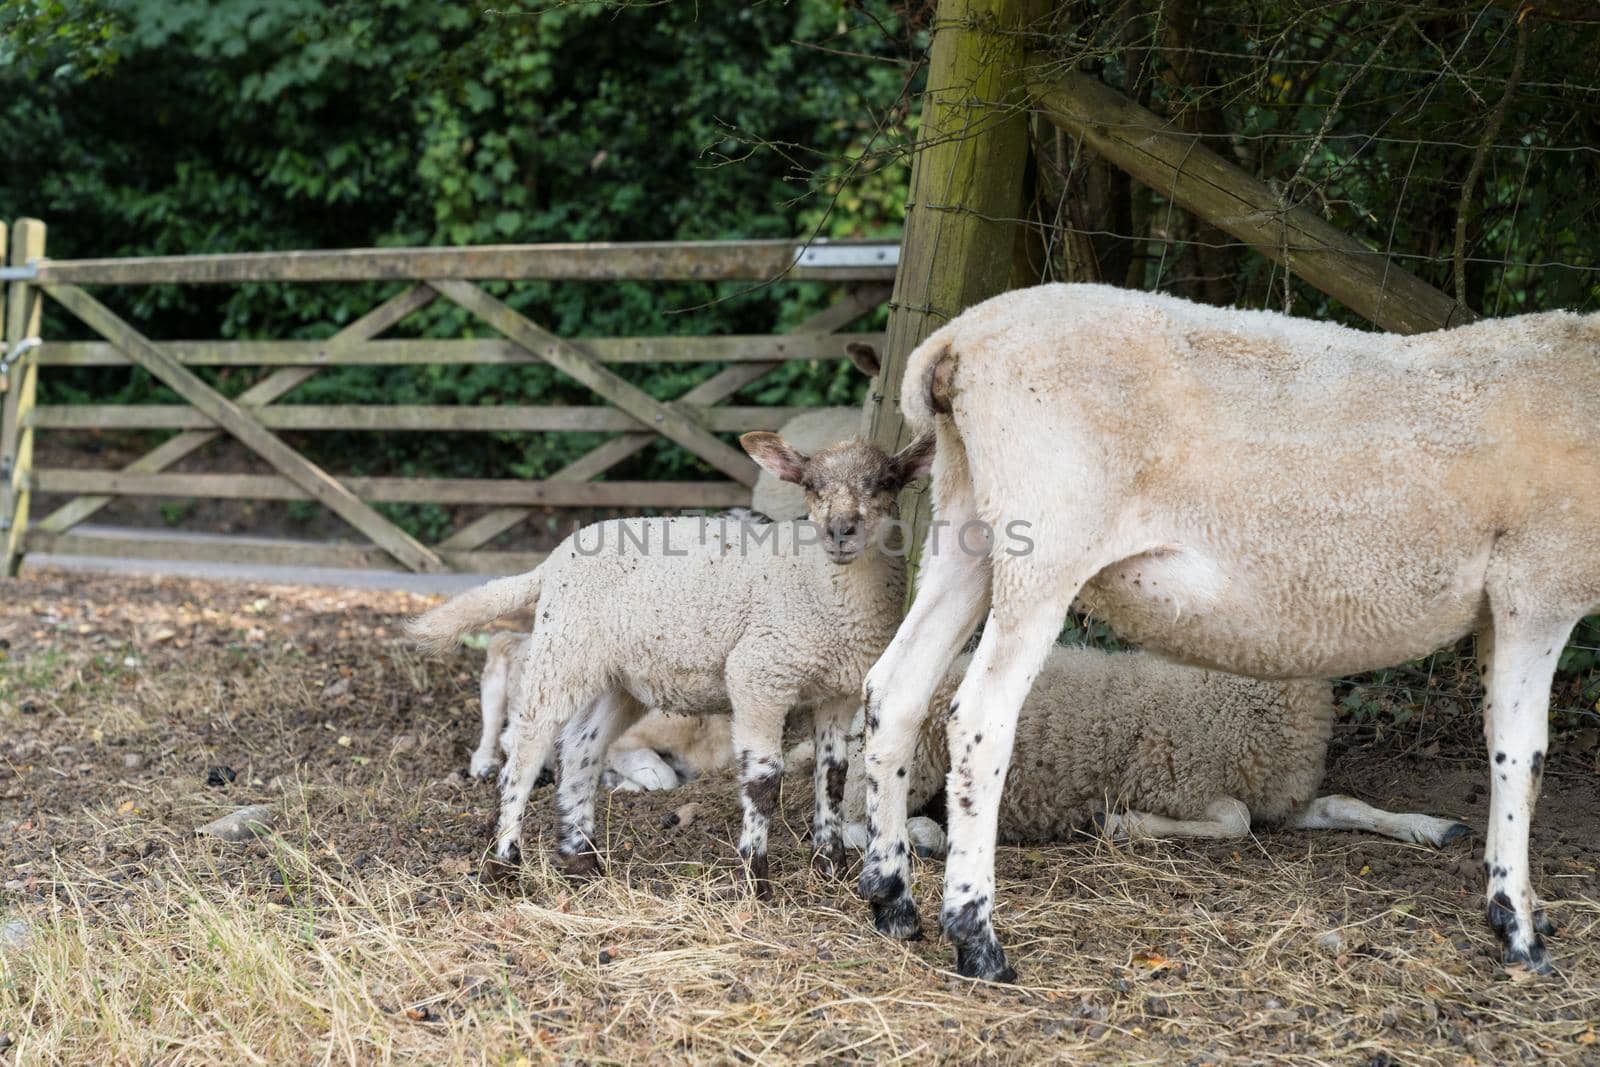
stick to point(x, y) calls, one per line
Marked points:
point(575, 361)
point(267, 390)
point(323, 487)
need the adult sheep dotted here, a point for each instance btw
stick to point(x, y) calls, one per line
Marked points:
point(1242, 490)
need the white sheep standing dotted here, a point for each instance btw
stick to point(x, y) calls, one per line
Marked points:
point(1150, 748)
point(716, 617)
point(1247, 491)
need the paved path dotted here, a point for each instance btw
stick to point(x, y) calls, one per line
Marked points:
point(429, 584)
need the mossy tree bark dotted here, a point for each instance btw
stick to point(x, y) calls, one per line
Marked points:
point(964, 239)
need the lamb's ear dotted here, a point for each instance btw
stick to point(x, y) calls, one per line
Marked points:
point(913, 461)
point(865, 357)
point(774, 454)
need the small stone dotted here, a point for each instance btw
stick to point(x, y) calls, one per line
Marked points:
point(29, 708)
point(132, 760)
point(403, 743)
point(1332, 941)
point(6, 1042)
point(220, 775)
point(454, 780)
point(242, 825)
point(15, 935)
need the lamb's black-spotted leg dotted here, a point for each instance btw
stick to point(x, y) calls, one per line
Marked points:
point(761, 702)
point(830, 723)
point(584, 743)
point(1516, 727)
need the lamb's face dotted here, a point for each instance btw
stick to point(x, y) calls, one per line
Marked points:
point(850, 487)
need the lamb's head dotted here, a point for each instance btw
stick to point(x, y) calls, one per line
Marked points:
point(850, 487)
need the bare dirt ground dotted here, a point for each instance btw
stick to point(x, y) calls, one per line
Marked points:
point(134, 710)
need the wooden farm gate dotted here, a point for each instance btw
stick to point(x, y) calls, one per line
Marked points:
point(694, 421)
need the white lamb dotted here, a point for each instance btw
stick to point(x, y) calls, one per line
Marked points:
point(1160, 748)
point(715, 617)
point(1246, 491)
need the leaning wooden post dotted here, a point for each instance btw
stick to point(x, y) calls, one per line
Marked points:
point(16, 435)
point(967, 181)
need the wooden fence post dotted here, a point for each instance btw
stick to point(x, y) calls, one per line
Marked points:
point(967, 193)
point(16, 436)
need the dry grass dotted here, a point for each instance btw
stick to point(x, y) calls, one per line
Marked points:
point(357, 933)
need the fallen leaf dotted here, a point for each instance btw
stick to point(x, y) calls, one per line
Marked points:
point(1154, 961)
point(125, 807)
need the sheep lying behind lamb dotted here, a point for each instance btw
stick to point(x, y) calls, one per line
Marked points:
point(717, 616)
point(1162, 749)
point(1150, 747)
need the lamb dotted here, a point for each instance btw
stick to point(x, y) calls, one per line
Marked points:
point(694, 746)
point(1246, 491)
point(1148, 747)
point(718, 617)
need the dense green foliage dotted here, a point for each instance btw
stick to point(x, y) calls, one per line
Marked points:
point(140, 127)
point(1402, 123)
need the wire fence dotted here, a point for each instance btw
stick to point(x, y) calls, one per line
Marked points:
point(1457, 142)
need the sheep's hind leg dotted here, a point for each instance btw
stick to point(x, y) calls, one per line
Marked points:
point(492, 694)
point(584, 743)
point(830, 721)
point(528, 741)
point(1516, 726)
point(1337, 812)
point(983, 723)
point(951, 598)
point(1226, 819)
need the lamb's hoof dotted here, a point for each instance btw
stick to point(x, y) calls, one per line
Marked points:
point(829, 862)
point(757, 877)
point(897, 918)
point(1543, 924)
point(546, 777)
point(582, 866)
point(983, 959)
point(1455, 833)
point(501, 872)
point(481, 769)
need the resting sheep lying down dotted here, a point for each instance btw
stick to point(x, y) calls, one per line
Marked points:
point(1155, 749)
point(718, 616)
point(1245, 491)
point(1150, 747)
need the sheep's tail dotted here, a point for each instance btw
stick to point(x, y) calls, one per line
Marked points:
point(438, 630)
point(925, 391)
